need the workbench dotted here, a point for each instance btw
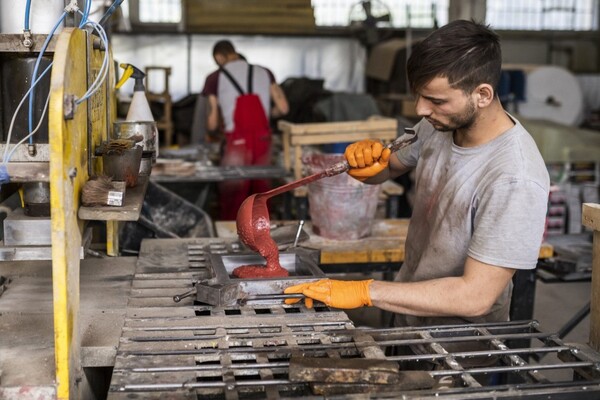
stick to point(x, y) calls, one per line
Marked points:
point(210, 173)
point(383, 251)
point(195, 187)
point(384, 245)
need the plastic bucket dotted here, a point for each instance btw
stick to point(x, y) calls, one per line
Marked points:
point(340, 207)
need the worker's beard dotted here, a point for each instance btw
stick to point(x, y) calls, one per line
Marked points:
point(462, 121)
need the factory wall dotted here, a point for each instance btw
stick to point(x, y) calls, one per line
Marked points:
point(339, 61)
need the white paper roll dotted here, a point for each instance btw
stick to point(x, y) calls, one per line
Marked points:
point(553, 93)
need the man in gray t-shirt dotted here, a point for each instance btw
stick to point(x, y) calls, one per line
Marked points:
point(481, 191)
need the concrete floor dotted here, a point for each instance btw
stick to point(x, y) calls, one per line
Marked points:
point(555, 304)
point(26, 322)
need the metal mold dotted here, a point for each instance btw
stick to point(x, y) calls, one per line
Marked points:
point(224, 289)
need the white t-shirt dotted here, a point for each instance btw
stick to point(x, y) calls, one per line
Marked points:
point(219, 85)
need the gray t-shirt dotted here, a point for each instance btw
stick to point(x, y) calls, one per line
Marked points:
point(488, 202)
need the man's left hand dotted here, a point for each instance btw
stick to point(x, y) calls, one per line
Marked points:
point(334, 293)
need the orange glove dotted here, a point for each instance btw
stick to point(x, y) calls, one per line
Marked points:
point(367, 158)
point(338, 294)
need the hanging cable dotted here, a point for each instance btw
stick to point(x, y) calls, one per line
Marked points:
point(110, 11)
point(35, 70)
point(20, 142)
point(97, 84)
point(27, 13)
point(86, 13)
point(14, 117)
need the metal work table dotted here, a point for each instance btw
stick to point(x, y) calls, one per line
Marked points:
point(207, 174)
point(385, 245)
point(383, 251)
point(191, 350)
point(196, 187)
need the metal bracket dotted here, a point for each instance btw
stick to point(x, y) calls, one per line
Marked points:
point(69, 106)
point(217, 294)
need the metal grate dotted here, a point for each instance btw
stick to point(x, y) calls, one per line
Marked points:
point(193, 351)
point(248, 353)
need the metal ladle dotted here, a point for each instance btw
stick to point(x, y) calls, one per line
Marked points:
point(253, 215)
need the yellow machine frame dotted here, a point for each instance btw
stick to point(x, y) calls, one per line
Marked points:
point(72, 137)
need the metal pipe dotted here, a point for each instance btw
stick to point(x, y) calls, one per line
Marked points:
point(199, 385)
point(414, 357)
point(514, 368)
point(298, 233)
point(404, 342)
point(109, 12)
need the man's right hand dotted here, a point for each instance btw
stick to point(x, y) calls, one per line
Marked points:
point(367, 158)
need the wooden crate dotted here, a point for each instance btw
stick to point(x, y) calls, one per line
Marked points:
point(298, 135)
point(249, 16)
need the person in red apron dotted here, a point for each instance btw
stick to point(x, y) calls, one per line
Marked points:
point(240, 97)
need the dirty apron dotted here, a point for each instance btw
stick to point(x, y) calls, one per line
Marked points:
point(248, 144)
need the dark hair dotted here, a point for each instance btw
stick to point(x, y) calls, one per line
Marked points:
point(223, 47)
point(465, 52)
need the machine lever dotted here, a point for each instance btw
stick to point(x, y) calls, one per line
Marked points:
point(300, 225)
point(178, 297)
point(263, 297)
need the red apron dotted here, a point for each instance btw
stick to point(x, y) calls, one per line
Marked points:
point(248, 144)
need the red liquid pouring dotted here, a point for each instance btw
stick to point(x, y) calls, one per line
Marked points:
point(254, 227)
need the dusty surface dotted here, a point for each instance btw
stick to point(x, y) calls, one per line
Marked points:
point(386, 243)
point(26, 316)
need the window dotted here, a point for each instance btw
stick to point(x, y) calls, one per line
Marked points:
point(159, 11)
point(579, 15)
point(402, 13)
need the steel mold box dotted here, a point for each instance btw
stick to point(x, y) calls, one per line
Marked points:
point(302, 265)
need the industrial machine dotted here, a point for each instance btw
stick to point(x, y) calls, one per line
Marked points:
point(222, 337)
point(56, 105)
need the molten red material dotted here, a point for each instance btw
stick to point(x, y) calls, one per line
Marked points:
point(259, 271)
point(254, 225)
point(254, 230)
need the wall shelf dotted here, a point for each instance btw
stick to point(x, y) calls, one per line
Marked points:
point(130, 211)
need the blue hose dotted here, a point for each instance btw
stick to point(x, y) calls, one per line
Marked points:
point(27, 12)
point(35, 71)
point(86, 13)
point(109, 12)
point(4, 177)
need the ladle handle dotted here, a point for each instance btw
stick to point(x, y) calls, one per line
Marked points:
point(409, 137)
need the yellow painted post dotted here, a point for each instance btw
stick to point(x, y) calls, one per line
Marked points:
point(70, 148)
point(112, 238)
point(68, 164)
